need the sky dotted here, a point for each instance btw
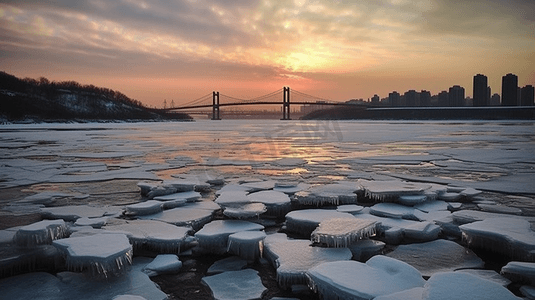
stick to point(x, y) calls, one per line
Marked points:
point(333, 49)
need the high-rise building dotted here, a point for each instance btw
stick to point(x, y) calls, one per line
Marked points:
point(510, 90)
point(480, 95)
point(394, 99)
point(495, 100)
point(375, 99)
point(411, 98)
point(526, 95)
point(456, 96)
point(443, 98)
point(425, 98)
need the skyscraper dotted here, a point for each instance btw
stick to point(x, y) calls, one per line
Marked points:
point(480, 95)
point(411, 98)
point(456, 96)
point(425, 98)
point(394, 99)
point(443, 98)
point(510, 90)
point(526, 95)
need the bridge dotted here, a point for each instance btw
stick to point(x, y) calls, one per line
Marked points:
point(214, 102)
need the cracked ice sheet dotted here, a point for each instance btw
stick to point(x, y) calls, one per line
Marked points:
point(437, 256)
point(380, 275)
point(293, 258)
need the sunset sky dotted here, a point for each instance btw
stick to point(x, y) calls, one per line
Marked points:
point(335, 49)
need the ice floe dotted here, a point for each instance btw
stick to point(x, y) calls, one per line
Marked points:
point(380, 275)
point(233, 263)
point(145, 208)
point(231, 285)
point(73, 212)
point(293, 258)
point(511, 237)
point(245, 211)
point(304, 222)
point(342, 232)
point(365, 249)
point(150, 235)
point(183, 216)
point(328, 194)
point(93, 222)
point(277, 203)
point(248, 245)
point(163, 264)
point(517, 271)
point(437, 256)
point(214, 236)
point(100, 254)
point(459, 285)
point(391, 190)
point(39, 233)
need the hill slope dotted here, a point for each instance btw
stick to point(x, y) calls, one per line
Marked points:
point(41, 99)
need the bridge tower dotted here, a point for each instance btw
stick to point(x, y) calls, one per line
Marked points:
point(286, 104)
point(215, 106)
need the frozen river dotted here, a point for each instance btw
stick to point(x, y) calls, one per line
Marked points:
point(493, 156)
point(44, 167)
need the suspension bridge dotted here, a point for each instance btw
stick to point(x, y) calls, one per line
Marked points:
point(215, 101)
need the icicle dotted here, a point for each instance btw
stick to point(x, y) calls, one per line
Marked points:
point(43, 232)
point(340, 233)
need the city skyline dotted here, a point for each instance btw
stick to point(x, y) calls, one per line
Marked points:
point(338, 50)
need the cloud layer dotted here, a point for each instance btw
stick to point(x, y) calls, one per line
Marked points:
point(328, 43)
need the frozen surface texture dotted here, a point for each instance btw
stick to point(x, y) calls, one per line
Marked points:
point(214, 235)
point(232, 263)
point(380, 275)
point(304, 222)
point(277, 203)
point(183, 216)
point(437, 256)
point(391, 190)
point(511, 237)
point(245, 211)
point(341, 232)
point(248, 245)
point(145, 208)
point(328, 194)
point(152, 235)
point(234, 285)
point(459, 285)
point(517, 271)
point(42, 232)
point(163, 264)
point(292, 258)
point(101, 254)
point(74, 212)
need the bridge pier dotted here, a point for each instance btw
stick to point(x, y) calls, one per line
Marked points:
point(286, 103)
point(215, 106)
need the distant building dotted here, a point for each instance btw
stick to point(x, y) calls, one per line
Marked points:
point(375, 99)
point(510, 90)
point(456, 96)
point(425, 98)
point(394, 99)
point(443, 98)
point(495, 100)
point(411, 98)
point(526, 96)
point(481, 94)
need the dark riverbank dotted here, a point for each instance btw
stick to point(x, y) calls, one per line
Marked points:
point(424, 113)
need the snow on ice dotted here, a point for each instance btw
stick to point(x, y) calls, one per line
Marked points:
point(380, 275)
point(342, 232)
point(437, 256)
point(231, 285)
point(100, 254)
point(293, 258)
point(42, 232)
point(511, 237)
point(213, 237)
